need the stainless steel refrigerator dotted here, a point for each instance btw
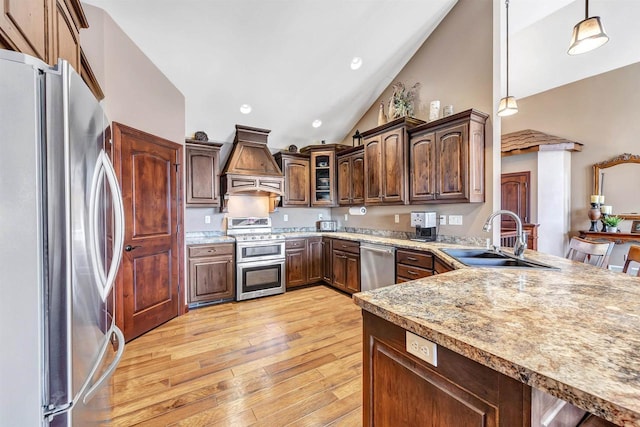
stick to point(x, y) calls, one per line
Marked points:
point(61, 235)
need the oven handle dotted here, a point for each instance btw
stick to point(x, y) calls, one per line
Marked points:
point(278, 261)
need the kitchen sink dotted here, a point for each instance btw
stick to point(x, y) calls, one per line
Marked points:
point(492, 258)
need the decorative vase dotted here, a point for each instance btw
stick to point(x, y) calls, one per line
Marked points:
point(611, 229)
point(382, 119)
point(594, 216)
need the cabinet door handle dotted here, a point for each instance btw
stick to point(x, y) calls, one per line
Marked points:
point(211, 250)
point(410, 258)
point(413, 273)
point(341, 256)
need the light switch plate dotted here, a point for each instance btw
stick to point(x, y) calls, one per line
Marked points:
point(207, 219)
point(443, 220)
point(455, 219)
point(422, 348)
point(346, 217)
point(396, 218)
point(319, 216)
point(285, 217)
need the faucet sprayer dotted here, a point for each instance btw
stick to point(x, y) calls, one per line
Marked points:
point(520, 244)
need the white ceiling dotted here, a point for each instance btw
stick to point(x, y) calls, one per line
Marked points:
point(289, 59)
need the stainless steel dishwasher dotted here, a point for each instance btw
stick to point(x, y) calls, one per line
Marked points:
point(377, 266)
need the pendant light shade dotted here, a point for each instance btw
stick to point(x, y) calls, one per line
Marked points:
point(508, 105)
point(588, 34)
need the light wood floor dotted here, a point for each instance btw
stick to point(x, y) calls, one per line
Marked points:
point(291, 359)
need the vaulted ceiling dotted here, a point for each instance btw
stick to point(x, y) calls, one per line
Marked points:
point(290, 59)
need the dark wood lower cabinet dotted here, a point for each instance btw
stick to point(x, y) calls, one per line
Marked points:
point(346, 265)
point(402, 390)
point(211, 269)
point(303, 261)
point(327, 255)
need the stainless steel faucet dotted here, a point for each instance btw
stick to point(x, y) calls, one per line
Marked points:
point(521, 243)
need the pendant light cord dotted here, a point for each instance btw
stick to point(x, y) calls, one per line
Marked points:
point(586, 9)
point(507, 7)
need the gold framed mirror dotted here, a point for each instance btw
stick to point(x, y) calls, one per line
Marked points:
point(598, 172)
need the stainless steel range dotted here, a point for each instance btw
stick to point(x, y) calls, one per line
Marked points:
point(259, 257)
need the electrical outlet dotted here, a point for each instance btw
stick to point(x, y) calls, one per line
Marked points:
point(207, 219)
point(396, 218)
point(455, 219)
point(285, 217)
point(443, 220)
point(319, 216)
point(422, 348)
point(346, 217)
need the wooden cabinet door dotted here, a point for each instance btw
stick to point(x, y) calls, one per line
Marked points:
point(211, 279)
point(357, 179)
point(296, 182)
point(203, 188)
point(339, 269)
point(373, 170)
point(327, 260)
point(402, 390)
point(422, 164)
point(393, 166)
point(65, 37)
point(314, 259)
point(452, 164)
point(23, 26)
point(344, 181)
point(352, 273)
point(296, 267)
point(323, 172)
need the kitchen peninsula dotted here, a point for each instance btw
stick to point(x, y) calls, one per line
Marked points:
point(573, 333)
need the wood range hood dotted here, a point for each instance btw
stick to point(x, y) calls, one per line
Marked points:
point(251, 170)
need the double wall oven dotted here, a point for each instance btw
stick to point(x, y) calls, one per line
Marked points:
point(259, 258)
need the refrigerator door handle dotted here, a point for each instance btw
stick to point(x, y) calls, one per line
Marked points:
point(103, 169)
point(110, 370)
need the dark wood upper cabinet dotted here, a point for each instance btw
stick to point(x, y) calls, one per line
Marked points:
point(386, 167)
point(203, 174)
point(295, 168)
point(323, 173)
point(446, 159)
point(351, 177)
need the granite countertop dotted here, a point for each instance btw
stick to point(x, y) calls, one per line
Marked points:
point(206, 237)
point(574, 333)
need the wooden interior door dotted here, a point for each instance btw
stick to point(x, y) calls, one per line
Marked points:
point(148, 168)
point(515, 197)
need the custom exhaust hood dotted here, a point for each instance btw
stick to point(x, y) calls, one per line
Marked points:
point(251, 169)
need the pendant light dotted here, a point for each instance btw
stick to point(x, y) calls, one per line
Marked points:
point(587, 34)
point(508, 105)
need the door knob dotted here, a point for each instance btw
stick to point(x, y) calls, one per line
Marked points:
point(129, 248)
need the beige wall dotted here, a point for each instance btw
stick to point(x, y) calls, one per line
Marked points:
point(455, 66)
point(602, 113)
point(137, 94)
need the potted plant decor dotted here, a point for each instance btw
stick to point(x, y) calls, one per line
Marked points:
point(402, 98)
point(611, 223)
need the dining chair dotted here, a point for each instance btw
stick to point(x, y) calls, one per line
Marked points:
point(589, 252)
point(632, 256)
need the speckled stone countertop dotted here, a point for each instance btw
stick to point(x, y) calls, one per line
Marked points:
point(574, 333)
point(204, 237)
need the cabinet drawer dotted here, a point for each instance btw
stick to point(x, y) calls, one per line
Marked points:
point(210, 250)
point(346, 246)
point(295, 243)
point(418, 259)
point(411, 272)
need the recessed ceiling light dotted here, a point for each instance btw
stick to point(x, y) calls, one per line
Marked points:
point(316, 123)
point(356, 63)
point(245, 108)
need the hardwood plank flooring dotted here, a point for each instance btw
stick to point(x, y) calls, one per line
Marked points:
point(292, 359)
